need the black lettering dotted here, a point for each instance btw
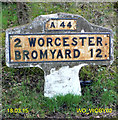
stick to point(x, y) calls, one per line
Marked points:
point(76, 53)
point(49, 41)
point(82, 40)
point(59, 54)
point(99, 41)
point(67, 53)
point(34, 54)
point(69, 25)
point(17, 55)
point(43, 55)
point(39, 43)
point(99, 52)
point(52, 25)
point(57, 44)
point(32, 42)
point(65, 42)
point(53, 52)
point(90, 41)
point(75, 42)
point(62, 24)
point(18, 42)
point(25, 54)
point(91, 52)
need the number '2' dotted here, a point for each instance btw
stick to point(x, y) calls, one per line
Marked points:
point(18, 41)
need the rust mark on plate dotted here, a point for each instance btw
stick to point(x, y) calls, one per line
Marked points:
point(59, 47)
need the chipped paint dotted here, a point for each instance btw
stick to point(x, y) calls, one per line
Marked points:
point(63, 47)
point(61, 75)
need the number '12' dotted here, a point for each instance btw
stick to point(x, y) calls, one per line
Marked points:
point(98, 52)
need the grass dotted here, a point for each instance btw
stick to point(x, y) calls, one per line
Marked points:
point(9, 15)
point(101, 94)
point(23, 88)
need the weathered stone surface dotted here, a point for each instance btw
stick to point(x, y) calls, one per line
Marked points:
point(37, 26)
point(63, 81)
point(60, 77)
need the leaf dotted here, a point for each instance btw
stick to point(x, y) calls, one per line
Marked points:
point(105, 89)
